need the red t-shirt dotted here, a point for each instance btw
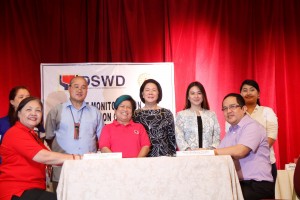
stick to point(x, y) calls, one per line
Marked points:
point(18, 172)
point(128, 139)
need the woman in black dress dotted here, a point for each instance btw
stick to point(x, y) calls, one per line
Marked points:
point(159, 122)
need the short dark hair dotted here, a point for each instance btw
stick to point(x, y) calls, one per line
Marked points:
point(157, 85)
point(122, 98)
point(11, 109)
point(204, 103)
point(254, 84)
point(240, 100)
point(23, 103)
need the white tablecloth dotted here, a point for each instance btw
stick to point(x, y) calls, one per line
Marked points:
point(184, 178)
point(284, 188)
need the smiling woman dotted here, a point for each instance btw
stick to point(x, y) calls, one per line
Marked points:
point(196, 126)
point(159, 122)
point(24, 156)
point(31, 114)
point(124, 135)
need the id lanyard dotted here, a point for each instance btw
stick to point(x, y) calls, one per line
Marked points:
point(76, 124)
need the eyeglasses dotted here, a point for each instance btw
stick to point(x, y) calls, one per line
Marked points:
point(231, 107)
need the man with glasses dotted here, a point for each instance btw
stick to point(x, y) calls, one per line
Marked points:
point(73, 127)
point(246, 141)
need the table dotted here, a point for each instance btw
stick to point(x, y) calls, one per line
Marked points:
point(190, 177)
point(284, 188)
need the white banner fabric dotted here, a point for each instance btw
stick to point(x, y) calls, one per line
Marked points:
point(106, 82)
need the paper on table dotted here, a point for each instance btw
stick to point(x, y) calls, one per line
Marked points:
point(93, 156)
point(196, 153)
point(290, 166)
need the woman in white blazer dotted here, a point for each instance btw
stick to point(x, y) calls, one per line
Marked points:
point(196, 126)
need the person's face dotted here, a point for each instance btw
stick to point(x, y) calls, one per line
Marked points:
point(124, 112)
point(250, 94)
point(195, 96)
point(150, 93)
point(21, 94)
point(31, 114)
point(78, 89)
point(233, 113)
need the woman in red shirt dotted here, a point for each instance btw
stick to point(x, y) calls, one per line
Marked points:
point(24, 156)
point(124, 135)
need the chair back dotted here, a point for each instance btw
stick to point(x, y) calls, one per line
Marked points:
point(297, 178)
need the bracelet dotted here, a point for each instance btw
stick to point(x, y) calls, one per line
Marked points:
point(73, 157)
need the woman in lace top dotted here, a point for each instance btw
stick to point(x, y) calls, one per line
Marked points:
point(159, 122)
point(196, 126)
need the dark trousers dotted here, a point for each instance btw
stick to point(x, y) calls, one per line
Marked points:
point(36, 194)
point(255, 190)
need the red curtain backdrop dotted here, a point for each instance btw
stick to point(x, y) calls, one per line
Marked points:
point(217, 42)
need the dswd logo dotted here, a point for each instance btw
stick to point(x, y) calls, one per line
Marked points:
point(64, 80)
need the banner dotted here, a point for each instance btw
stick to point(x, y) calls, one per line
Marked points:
point(106, 82)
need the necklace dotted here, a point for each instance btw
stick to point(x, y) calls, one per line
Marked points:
point(76, 124)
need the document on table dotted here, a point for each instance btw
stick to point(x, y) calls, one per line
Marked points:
point(93, 156)
point(196, 153)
